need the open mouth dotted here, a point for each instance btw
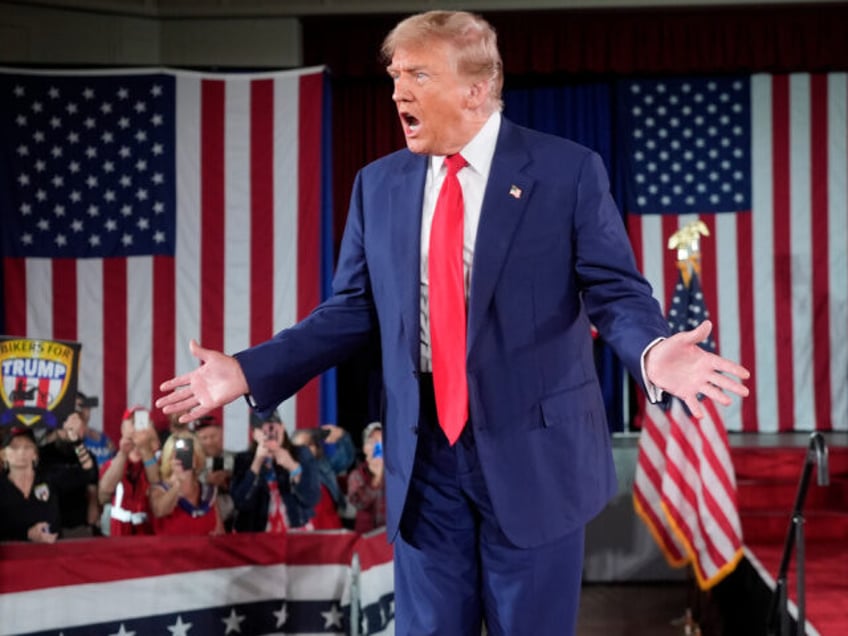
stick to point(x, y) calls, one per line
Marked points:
point(411, 122)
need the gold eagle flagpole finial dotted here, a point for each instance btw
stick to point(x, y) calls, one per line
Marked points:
point(687, 242)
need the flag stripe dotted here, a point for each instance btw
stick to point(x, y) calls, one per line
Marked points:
point(189, 246)
point(782, 197)
point(765, 274)
point(709, 277)
point(837, 239)
point(681, 486)
point(286, 214)
point(89, 289)
point(648, 487)
point(140, 298)
point(819, 251)
point(262, 210)
point(238, 230)
point(727, 308)
point(237, 220)
point(15, 288)
point(309, 222)
point(746, 329)
point(64, 299)
point(114, 307)
point(800, 287)
point(212, 210)
point(164, 322)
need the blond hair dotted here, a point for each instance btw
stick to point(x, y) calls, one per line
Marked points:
point(168, 450)
point(473, 39)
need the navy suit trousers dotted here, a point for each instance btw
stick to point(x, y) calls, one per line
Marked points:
point(455, 568)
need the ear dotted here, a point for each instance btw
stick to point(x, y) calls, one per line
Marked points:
point(477, 94)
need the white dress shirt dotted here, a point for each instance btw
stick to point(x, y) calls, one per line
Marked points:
point(472, 179)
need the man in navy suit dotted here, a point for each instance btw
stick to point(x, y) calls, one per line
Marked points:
point(488, 526)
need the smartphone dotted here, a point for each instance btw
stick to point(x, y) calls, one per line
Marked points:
point(378, 450)
point(184, 451)
point(141, 419)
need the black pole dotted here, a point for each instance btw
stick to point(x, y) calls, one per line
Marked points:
point(799, 574)
point(816, 453)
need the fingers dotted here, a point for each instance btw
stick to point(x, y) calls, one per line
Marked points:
point(726, 366)
point(182, 399)
point(726, 383)
point(174, 383)
point(702, 331)
point(197, 351)
point(169, 385)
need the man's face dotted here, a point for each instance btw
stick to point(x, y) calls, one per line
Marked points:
point(432, 99)
point(211, 440)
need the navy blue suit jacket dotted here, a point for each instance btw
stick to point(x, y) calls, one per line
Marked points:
point(551, 256)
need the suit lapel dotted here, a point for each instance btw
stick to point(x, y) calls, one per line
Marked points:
point(405, 196)
point(507, 193)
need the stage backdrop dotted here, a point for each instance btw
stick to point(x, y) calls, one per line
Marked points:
point(141, 208)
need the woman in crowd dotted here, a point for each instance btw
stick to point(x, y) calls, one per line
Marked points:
point(181, 505)
point(275, 483)
point(366, 490)
point(332, 501)
point(126, 478)
point(29, 494)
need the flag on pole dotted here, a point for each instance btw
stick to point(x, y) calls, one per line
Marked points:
point(685, 486)
point(762, 160)
point(143, 208)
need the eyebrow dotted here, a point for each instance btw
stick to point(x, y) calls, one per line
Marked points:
point(407, 69)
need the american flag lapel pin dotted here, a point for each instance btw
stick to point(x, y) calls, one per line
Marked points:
point(515, 192)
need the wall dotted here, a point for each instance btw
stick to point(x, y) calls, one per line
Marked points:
point(56, 37)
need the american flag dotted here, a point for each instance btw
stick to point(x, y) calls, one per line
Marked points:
point(684, 487)
point(254, 583)
point(143, 208)
point(762, 160)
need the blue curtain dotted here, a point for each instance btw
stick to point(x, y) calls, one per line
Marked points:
point(582, 113)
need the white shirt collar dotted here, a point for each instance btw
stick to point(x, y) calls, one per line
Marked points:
point(479, 151)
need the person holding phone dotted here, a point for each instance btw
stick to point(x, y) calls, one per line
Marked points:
point(218, 471)
point(365, 486)
point(276, 484)
point(181, 505)
point(126, 478)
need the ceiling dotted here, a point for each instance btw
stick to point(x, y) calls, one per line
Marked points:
point(293, 8)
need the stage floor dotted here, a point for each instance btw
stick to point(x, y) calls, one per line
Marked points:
point(633, 610)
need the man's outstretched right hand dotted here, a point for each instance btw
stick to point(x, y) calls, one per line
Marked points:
point(217, 381)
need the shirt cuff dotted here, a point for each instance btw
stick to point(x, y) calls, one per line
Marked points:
point(655, 394)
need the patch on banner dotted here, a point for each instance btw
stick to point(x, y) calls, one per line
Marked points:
point(39, 381)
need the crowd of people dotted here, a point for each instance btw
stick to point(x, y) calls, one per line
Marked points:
point(75, 482)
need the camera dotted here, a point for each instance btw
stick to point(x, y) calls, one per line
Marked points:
point(378, 450)
point(184, 451)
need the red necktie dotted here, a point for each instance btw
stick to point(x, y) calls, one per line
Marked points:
point(447, 304)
